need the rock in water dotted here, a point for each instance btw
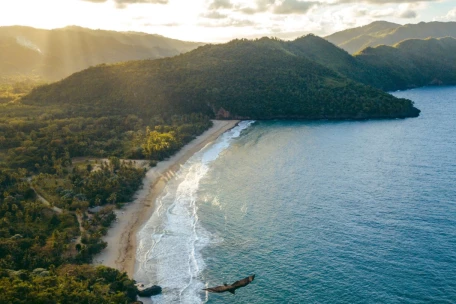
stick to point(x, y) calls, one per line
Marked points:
point(150, 291)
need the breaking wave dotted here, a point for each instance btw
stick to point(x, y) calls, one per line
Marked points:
point(170, 244)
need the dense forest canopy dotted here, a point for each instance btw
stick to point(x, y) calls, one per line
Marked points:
point(408, 64)
point(412, 63)
point(259, 79)
point(56, 164)
point(381, 32)
point(66, 284)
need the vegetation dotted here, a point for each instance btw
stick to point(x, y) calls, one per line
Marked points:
point(32, 234)
point(13, 88)
point(408, 64)
point(411, 63)
point(57, 163)
point(265, 78)
point(66, 284)
point(55, 54)
point(345, 36)
point(386, 33)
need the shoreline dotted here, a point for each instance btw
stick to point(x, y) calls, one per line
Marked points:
point(121, 237)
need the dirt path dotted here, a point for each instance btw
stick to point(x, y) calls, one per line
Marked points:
point(81, 228)
point(42, 199)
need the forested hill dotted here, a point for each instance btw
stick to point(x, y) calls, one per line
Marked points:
point(260, 79)
point(381, 32)
point(408, 64)
point(412, 63)
point(55, 54)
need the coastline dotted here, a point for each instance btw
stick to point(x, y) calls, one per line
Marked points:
point(121, 237)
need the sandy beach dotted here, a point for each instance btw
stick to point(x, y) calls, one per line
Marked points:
point(121, 237)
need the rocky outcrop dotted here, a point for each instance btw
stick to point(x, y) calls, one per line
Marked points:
point(149, 291)
point(223, 114)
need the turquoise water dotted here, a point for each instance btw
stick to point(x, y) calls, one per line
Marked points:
point(321, 212)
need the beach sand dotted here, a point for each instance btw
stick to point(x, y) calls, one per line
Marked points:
point(121, 237)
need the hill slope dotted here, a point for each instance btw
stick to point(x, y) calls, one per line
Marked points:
point(408, 64)
point(259, 79)
point(344, 36)
point(327, 54)
point(54, 54)
point(378, 33)
point(412, 63)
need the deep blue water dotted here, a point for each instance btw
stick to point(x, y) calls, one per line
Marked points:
point(321, 212)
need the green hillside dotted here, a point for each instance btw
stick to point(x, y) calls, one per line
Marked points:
point(259, 79)
point(327, 54)
point(408, 64)
point(55, 54)
point(344, 36)
point(265, 78)
point(412, 63)
point(380, 32)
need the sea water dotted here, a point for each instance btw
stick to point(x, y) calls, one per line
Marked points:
point(170, 244)
point(321, 212)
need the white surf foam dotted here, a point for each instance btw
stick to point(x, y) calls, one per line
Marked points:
point(169, 245)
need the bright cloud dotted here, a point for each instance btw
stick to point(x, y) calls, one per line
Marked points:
point(222, 20)
point(124, 3)
point(450, 16)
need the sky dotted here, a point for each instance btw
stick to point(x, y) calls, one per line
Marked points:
point(222, 20)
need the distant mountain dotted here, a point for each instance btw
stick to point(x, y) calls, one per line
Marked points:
point(260, 79)
point(341, 37)
point(381, 32)
point(54, 54)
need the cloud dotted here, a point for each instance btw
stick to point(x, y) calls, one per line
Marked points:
point(214, 15)
point(123, 3)
point(280, 7)
point(261, 6)
point(361, 12)
point(141, 1)
point(218, 4)
point(171, 24)
point(408, 14)
point(383, 1)
point(240, 22)
point(293, 7)
point(450, 16)
point(231, 22)
point(405, 11)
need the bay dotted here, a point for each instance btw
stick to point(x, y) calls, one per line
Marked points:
point(321, 212)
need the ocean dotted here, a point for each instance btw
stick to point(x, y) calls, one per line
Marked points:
point(320, 211)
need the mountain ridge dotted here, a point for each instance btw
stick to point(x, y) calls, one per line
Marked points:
point(255, 79)
point(408, 64)
point(356, 39)
point(61, 52)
